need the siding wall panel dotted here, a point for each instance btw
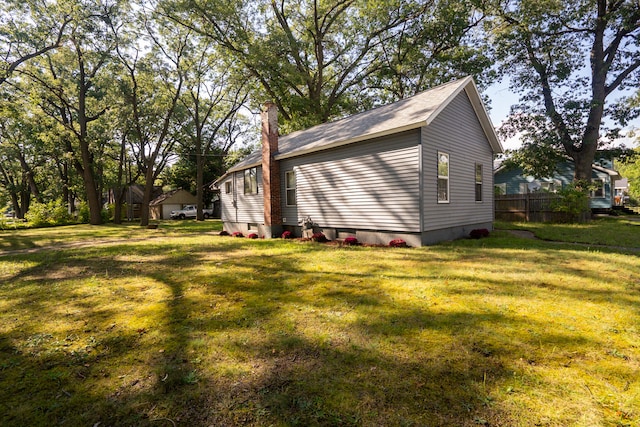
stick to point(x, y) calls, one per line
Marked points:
point(250, 206)
point(457, 132)
point(371, 185)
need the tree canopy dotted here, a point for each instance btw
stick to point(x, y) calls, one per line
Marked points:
point(96, 96)
point(567, 60)
point(321, 60)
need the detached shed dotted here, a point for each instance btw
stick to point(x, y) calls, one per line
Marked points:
point(419, 169)
point(161, 206)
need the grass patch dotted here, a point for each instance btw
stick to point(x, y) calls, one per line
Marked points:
point(198, 329)
point(78, 234)
point(619, 232)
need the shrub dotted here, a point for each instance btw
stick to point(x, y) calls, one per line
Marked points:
point(479, 233)
point(237, 234)
point(224, 233)
point(52, 213)
point(83, 213)
point(319, 237)
point(37, 214)
point(398, 243)
point(287, 235)
point(107, 215)
point(573, 201)
point(351, 241)
point(252, 236)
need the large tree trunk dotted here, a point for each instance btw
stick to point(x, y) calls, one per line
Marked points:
point(118, 192)
point(146, 198)
point(17, 208)
point(199, 185)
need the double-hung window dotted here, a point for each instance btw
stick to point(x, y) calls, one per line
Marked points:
point(598, 188)
point(478, 182)
point(443, 177)
point(290, 187)
point(251, 181)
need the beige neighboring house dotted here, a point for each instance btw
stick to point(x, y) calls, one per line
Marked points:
point(161, 206)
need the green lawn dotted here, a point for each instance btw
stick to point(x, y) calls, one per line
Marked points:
point(179, 326)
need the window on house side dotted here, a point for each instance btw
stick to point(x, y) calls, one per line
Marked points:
point(251, 181)
point(478, 182)
point(227, 187)
point(598, 191)
point(443, 178)
point(290, 187)
point(551, 186)
point(523, 188)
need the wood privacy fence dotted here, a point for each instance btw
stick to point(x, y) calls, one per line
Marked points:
point(533, 207)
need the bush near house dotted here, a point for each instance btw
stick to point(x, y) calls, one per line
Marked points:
point(351, 241)
point(479, 233)
point(398, 243)
point(319, 237)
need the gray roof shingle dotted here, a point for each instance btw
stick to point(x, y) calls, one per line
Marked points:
point(410, 113)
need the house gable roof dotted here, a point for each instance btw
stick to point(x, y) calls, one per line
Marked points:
point(164, 197)
point(410, 113)
point(612, 173)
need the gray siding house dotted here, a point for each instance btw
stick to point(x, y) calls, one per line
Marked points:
point(419, 169)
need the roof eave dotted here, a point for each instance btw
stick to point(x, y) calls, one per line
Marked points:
point(483, 117)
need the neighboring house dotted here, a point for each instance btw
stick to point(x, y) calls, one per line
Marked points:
point(132, 199)
point(514, 181)
point(161, 206)
point(621, 191)
point(419, 169)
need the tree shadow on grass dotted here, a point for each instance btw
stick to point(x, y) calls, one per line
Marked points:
point(246, 342)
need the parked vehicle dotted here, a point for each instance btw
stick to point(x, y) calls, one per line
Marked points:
point(189, 211)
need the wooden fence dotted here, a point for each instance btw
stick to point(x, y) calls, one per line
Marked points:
point(533, 207)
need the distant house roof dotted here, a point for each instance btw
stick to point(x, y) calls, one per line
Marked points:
point(410, 113)
point(622, 183)
point(595, 167)
point(135, 193)
point(168, 195)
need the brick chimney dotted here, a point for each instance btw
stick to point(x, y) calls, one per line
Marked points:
point(271, 171)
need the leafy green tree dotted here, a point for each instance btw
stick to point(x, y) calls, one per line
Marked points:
point(214, 96)
point(28, 29)
point(319, 60)
point(152, 85)
point(567, 60)
point(630, 169)
point(70, 85)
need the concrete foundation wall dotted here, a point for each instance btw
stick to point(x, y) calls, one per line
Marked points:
point(372, 237)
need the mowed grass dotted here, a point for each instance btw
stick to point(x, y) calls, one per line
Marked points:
point(190, 328)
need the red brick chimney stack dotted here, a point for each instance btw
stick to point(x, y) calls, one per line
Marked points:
point(271, 171)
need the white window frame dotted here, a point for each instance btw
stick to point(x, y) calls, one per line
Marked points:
point(594, 193)
point(290, 190)
point(523, 188)
point(551, 186)
point(478, 185)
point(251, 180)
point(443, 177)
point(228, 188)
